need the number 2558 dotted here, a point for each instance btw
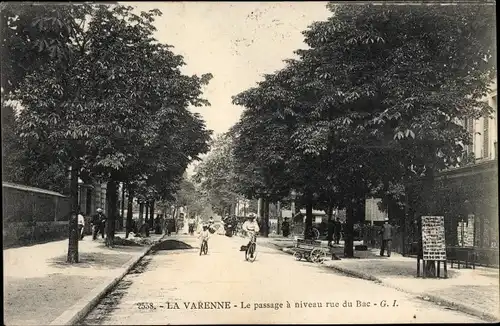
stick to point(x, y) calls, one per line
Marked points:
point(145, 305)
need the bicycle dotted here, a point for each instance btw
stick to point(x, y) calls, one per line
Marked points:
point(250, 252)
point(204, 247)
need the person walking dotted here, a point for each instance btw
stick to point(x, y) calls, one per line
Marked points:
point(98, 224)
point(386, 232)
point(285, 226)
point(191, 222)
point(81, 224)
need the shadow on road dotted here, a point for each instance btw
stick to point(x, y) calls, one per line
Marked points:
point(92, 260)
point(171, 245)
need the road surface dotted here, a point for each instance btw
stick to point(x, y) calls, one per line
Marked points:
point(181, 287)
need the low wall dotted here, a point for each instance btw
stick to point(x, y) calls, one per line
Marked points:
point(17, 234)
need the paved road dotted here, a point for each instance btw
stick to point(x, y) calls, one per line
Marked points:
point(171, 279)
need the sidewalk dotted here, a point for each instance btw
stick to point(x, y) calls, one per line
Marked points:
point(41, 287)
point(474, 291)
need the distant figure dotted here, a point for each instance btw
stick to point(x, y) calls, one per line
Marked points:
point(191, 223)
point(285, 226)
point(331, 231)
point(204, 235)
point(133, 227)
point(98, 224)
point(157, 224)
point(338, 230)
point(386, 232)
point(81, 225)
point(210, 223)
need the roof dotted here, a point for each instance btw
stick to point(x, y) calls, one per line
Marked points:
point(480, 167)
point(31, 189)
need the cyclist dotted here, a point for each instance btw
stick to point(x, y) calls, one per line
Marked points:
point(204, 234)
point(211, 224)
point(251, 227)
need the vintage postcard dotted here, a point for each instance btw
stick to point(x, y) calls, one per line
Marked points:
point(169, 163)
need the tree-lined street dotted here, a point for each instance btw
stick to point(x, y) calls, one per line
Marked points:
point(181, 277)
point(375, 114)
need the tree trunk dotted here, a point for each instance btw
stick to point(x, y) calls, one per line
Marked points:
point(404, 230)
point(278, 212)
point(260, 214)
point(73, 222)
point(152, 215)
point(348, 232)
point(122, 215)
point(141, 214)
point(112, 200)
point(309, 218)
point(329, 212)
point(331, 230)
point(146, 220)
point(265, 224)
point(130, 202)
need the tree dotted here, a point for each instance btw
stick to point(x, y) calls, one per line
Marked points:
point(215, 175)
point(116, 71)
point(372, 102)
point(34, 36)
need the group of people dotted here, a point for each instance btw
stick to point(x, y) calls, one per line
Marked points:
point(335, 229)
point(251, 227)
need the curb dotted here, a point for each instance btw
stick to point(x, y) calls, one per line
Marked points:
point(430, 298)
point(79, 310)
point(425, 297)
point(357, 274)
point(460, 307)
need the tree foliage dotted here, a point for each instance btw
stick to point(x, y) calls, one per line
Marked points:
point(377, 99)
point(111, 102)
point(215, 176)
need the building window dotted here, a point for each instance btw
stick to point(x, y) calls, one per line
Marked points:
point(469, 126)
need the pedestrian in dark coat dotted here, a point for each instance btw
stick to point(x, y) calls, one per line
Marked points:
point(338, 230)
point(386, 233)
point(98, 224)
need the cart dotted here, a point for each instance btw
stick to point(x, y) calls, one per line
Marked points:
point(310, 250)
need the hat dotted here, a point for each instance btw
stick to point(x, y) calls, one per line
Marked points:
point(99, 210)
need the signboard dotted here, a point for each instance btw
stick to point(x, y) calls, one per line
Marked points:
point(433, 238)
point(373, 212)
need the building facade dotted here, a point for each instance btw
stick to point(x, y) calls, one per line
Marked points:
point(484, 131)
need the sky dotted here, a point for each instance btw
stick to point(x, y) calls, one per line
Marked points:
point(237, 42)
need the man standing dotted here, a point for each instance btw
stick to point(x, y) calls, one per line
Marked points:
point(286, 227)
point(338, 230)
point(386, 238)
point(331, 231)
point(81, 224)
point(98, 224)
point(191, 222)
